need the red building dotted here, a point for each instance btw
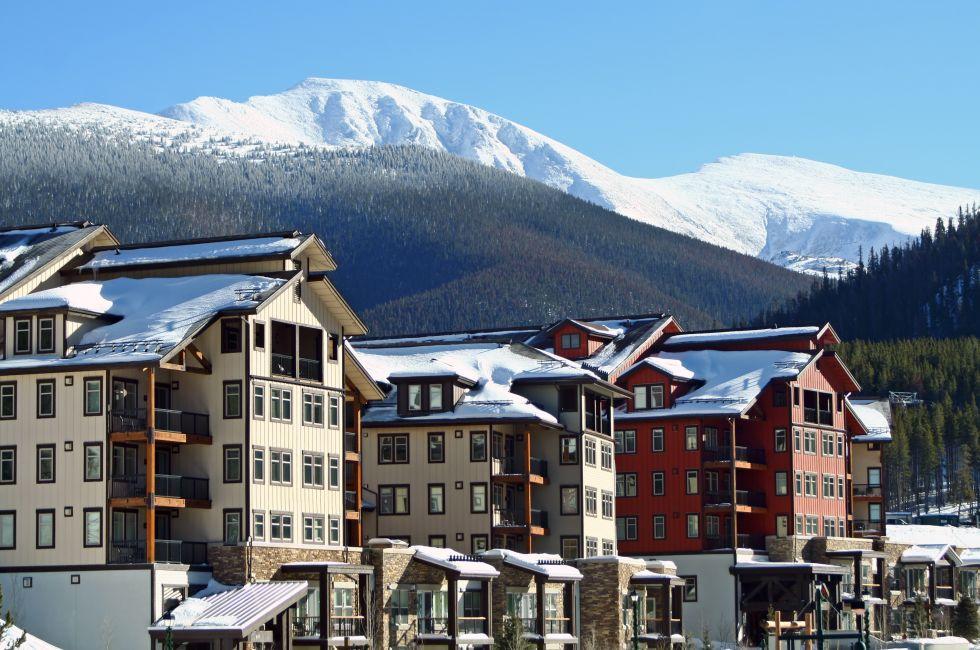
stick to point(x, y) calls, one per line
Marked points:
point(732, 436)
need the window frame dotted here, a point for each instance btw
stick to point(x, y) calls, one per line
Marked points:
point(258, 335)
point(225, 412)
point(259, 521)
point(439, 436)
point(54, 345)
point(52, 384)
point(392, 439)
point(231, 325)
point(486, 497)
point(313, 457)
point(686, 588)
point(283, 396)
point(333, 463)
point(394, 487)
point(692, 432)
point(688, 475)
point(562, 447)
point(428, 492)
point(224, 526)
point(37, 528)
point(85, 513)
point(780, 443)
point(696, 518)
point(85, 447)
point(620, 440)
point(654, 475)
point(285, 521)
point(13, 537)
point(785, 485)
point(226, 476)
point(13, 397)
point(576, 540)
point(283, 454)
point(314, 518)
point(561, 500)
point(29, 336)
point(13, 464)
point(37, 463)
point(625, 484)
point(657, 435)
point(85, 394)
point(660, 520)
point(486, 442)
point(647, 391)
point(258, 400)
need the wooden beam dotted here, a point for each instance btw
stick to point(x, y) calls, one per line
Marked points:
point(151, 460)
point(199, 357)
point(527, 488)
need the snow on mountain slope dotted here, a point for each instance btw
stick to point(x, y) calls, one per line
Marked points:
point(799, 213)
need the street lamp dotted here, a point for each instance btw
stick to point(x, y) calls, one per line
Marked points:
point(635, 599)
point(168, 622)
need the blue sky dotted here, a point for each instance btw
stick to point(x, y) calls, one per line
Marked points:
point(649, 88)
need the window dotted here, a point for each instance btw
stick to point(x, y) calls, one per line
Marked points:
point(233, 464)
point(591, 501)
point(657, 478)
point(93, 461)
point(712, 481)
point(258, 401)
point(690, 589)
point(626, 485)
point(874, 476)
point(479, 543)
point(799, 484)
point(258, 525)
point(45, 335)
point(8, 464)
point(478, 446)
point(691, 484)
point(393, 448)
point(780, 440)
point(478, 497)
point(590, 452)
point(313, 529)
point(626, 442)
point(874, 512)
point(607, 456)
point(415, 397)
point(690, 438)
point(659, 527)
point(799, 524)
point(44, 529)
point(812, 525)
point(437, 447)
point(569, 500)
point(8, 529)
point(333, 347)
point(22, 336)
point(8, 401)
point(591, 546)
point(782, 484)
point(258, 464)
point(809, 442)
point(334, 531)
point(333, 412)
point(840, 445)
point(797, 440)
point(608, 548)
point(281, 527)
point(829, 486)
point(810, 483)
point(829, 527)
point(45, 398)
point(259, 342)
point(437, 498)
point(571, 341)
point(692, 525)
point(333, 472)
point(570, 548)
point(393, 499)
point(92, 520)
point(779, 395)
point(435, 397)
point(312, 470)
point(281, 466)
point(398, 606)
point(231, 335)
point(818, 407)
point(568, 450)
point(281, 404)
point(607, 505)
point(827, 441)
point(45, 463)
point(650, 396)
point(313, 409)
point(233, 399)
point(712, 526)
point(657, 440)
point(782, 525)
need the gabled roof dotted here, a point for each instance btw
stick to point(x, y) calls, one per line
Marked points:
point(27, 250)
point(718, 337)
point(548, 565)
point(872, 418)
point(145, 318)
point(454, 562)
point(729, 381)
point(230, 613)
point(358, 376)
point(931, 554)
point(499, 335)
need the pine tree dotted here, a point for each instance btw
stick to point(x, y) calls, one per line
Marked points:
point(511, 635)
point(6, 623)
point(921, 618)
point(965, 621)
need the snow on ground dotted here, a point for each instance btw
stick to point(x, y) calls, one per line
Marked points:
point(792, 211)
point(958, 536)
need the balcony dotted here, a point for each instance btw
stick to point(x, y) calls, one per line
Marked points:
point(310, 369)
point(868, 527)
point(472, 624)
point(867, 491)
point(516, 518)
point(755, 542)
point(168, 551)
point(433, 625)
point(282, 365)
point(749, 499)
point(598, 423)
point(171, 426)
point(178, 491)
point(340, 626)
point(662, 627)
point(351, 445)
point(557, 626)
point(723, 454)
point(512, 467)
point(350, 500)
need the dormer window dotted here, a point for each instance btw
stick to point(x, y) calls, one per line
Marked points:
point(435, 397)
point(421, 398)
point(22, 336)
point(415, 397)
point(45, 334)
point(648, 396)
point(571, 341)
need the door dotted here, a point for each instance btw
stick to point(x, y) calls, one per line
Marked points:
point(125, 394)
point(124, 458)
point(163, 525)
point(782, 526)
point(162, 396)
point(125, 543)
point(164, 462)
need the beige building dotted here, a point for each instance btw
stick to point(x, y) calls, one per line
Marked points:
point(162, 403)
point(483, 442)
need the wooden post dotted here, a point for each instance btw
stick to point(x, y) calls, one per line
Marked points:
point(808, 630)
point(151, 466)
point(539, 588)
point(453, 604)
point(324, 604)
point(527, 486)
point(778, 622)
point(734, 498)
point(358, 496)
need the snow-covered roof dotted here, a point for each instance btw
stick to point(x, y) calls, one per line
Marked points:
point(233, 612)
point(13, 634)
point(547, 564)
point(929, 553)
point(654, 577)
point(145, 318)
point(958, 536)
point(494, 368)
point(970, 557)
point(26, 250)
point(730, 380)
point(254, 247)
point(734, 336)
point(871, 414)
point(764, 565)
point(454, 561)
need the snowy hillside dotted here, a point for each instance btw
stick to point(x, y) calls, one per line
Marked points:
point(795, 212)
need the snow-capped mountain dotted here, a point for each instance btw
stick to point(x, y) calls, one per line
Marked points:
point(799, 213)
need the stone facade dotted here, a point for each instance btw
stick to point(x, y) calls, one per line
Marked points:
point(513, 579)
point(606, 623)
point(241, 564)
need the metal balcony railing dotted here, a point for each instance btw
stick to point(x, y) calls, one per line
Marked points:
point(350, 500)
point(350, 442)
point(515, 465)
point(867, 490)
point(600, 424)
point(723, 454)
point(755, 542)
point(752, 498)
point(557, 626)
point(309, 369)
point(306, 626)
point(516, 518)
point(868, 526)
point(282, 364)
point(472, 624)
point(166, 420)
point(127, 552)
point(167, 485)
point(433, 625)
point(181, 552)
